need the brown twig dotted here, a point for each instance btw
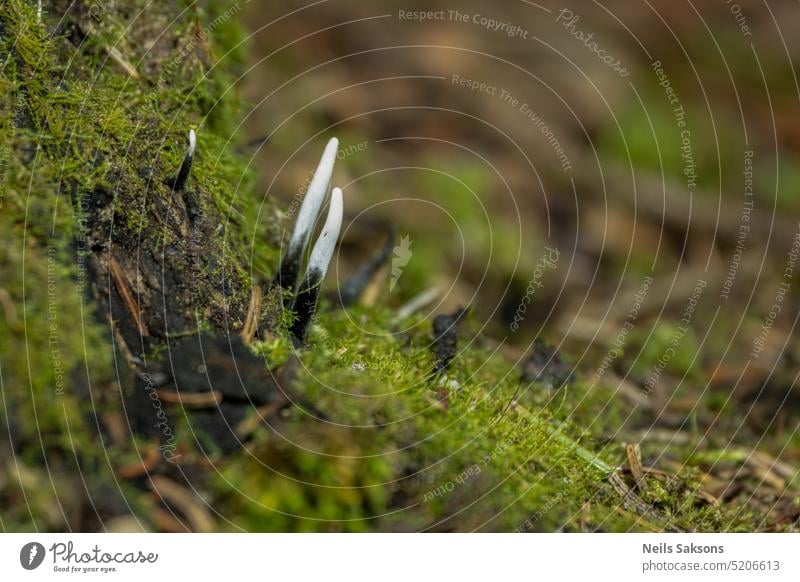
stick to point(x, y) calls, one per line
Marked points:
point(207, 399)
point(121, 283)
point(118, 58)
point(634, 503)
point(249, 424)
point(251, 321)
point(113, 52)
point(117, 427)
point(146, 465)
point(183, 500)
point(634, 454)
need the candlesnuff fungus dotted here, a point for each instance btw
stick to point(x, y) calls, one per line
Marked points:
point(445, 338)
point(306, 218)
point(545, 365)
point(353, 288)
point(305, 304)
point(179, 181)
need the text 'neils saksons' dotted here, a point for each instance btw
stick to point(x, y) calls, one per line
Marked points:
point(664, 548)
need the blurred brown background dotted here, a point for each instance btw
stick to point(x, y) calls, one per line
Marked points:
point(473, 173)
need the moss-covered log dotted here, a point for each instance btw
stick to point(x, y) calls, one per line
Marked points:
point(102, 257)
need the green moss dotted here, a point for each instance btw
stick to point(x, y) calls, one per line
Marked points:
point(392, 431)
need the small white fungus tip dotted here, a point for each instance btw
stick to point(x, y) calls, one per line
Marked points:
point(192, 143)
point(322, 253)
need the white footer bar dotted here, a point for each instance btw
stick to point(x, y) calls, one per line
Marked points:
point(400, 557)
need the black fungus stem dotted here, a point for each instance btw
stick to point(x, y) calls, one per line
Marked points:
point(305, 307)
point(179, 183)
point(288, 272)
point(445, 338)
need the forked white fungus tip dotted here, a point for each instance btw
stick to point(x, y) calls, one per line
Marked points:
point(315, 196)
point(326, 243)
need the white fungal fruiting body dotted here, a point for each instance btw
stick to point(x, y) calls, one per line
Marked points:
point(192, 143)
point(326, 243)
point(179, 181)
point(314, 199)
point(304, 302)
